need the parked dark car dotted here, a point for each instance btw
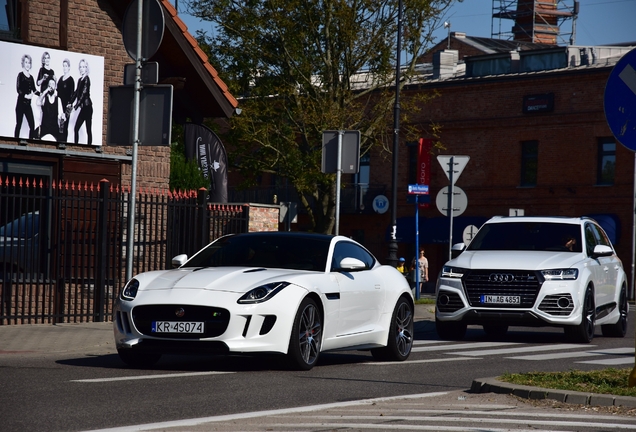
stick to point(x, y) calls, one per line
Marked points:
point(19, 245)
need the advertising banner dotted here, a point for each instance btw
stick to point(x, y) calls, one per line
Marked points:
point(51, 95)
point(205, 146)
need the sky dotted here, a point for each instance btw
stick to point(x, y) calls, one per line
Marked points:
point(600, 22)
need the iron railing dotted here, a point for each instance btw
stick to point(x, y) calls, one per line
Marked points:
point(63, 245)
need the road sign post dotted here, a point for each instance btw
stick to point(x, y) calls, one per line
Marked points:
point(453, 167)
point(418, 190)
point(619, 103)
point(345, 146)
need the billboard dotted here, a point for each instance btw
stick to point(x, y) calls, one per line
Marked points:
point(51, 95)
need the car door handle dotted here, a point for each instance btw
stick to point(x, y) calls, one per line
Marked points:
point(606, 269)
point(378, 286)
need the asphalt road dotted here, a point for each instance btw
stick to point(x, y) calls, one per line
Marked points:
point(53, 385)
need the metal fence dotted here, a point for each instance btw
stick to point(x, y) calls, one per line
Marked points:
point(63, 245)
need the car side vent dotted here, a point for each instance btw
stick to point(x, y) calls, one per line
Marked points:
point(247, 324)
point(558, 305)
point(268, 323)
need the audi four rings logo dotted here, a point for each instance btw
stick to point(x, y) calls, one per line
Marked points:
point(501, 277)
point(179, 312)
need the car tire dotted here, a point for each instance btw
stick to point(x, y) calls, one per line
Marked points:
point(400, 340)
point(306, 336)
point(137, 359)
point(618, 329)
point(495, 330)
point(450, 330)
point(584, 332)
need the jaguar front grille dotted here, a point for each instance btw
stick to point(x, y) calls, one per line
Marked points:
point(522, 283)
point(215, 320)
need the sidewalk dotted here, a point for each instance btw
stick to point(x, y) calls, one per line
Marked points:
point(97, 339)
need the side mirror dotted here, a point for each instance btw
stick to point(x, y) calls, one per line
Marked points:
point(601, 251)
point(457, 249)
point(352, 264)
point(179, 260)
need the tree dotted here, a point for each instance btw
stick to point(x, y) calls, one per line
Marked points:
point(300, 67)
point(185, 175)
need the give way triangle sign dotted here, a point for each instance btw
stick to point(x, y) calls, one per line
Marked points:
point(458, 165)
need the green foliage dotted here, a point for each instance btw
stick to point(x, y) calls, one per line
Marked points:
point(605, 381)
point(184, 175)
point(300, 67)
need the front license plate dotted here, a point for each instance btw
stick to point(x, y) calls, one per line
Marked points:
point(177, 327)
point(492, 299)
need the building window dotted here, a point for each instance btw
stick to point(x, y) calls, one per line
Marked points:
point(606, 167)
point(529, 162)
point(10, 16)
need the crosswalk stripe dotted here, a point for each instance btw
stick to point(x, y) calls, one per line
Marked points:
point(555, 356)
point(463, 346)
point(521, 350)
point(611, 362)
point(435, 360)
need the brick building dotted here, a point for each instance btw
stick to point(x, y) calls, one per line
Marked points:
point(532, 122)
point(93, 27)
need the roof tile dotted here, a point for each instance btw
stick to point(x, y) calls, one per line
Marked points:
point(200, 53)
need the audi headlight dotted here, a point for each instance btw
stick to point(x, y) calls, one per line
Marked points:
point(262, 293)
point(130, 290)
point(453, 272)
point(560, 274)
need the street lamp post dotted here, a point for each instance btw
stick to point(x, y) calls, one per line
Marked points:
point(393, 247)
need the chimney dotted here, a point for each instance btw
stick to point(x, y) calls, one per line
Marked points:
point(537, 21)
point(445, 63)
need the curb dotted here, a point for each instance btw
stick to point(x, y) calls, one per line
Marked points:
point(493, 385)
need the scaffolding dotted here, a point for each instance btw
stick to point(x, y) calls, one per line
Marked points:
point(536, 21)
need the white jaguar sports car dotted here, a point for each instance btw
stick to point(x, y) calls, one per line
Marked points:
point(297, 294)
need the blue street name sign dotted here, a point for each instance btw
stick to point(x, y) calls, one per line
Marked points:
point(417, 189)
point(620, 100)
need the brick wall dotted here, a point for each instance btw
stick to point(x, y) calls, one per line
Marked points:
point(263, 217)
point(483, 119)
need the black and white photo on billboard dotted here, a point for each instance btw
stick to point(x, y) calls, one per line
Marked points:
point(51, 95)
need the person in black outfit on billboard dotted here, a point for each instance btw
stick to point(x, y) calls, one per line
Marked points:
point(65, 89)
point(82, 98)
point(25, 87)
point(51, 111)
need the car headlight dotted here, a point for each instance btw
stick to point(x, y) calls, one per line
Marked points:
point(262, 293)
point(130, 290)
point(560, 274)
point(453, 272)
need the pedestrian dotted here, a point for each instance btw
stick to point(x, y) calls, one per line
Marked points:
point(422, 267)
point(402, 267)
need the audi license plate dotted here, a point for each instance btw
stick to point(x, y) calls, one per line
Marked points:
point(494, 299)
point(177, 327)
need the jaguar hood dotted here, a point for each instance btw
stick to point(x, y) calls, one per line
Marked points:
point(229, 279)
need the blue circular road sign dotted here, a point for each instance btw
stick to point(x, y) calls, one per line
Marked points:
point(620, 100)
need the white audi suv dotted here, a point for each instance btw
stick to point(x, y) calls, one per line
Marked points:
point(534, 271)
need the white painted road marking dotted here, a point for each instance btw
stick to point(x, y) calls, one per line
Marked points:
point(144, 377)
point(522, 349)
